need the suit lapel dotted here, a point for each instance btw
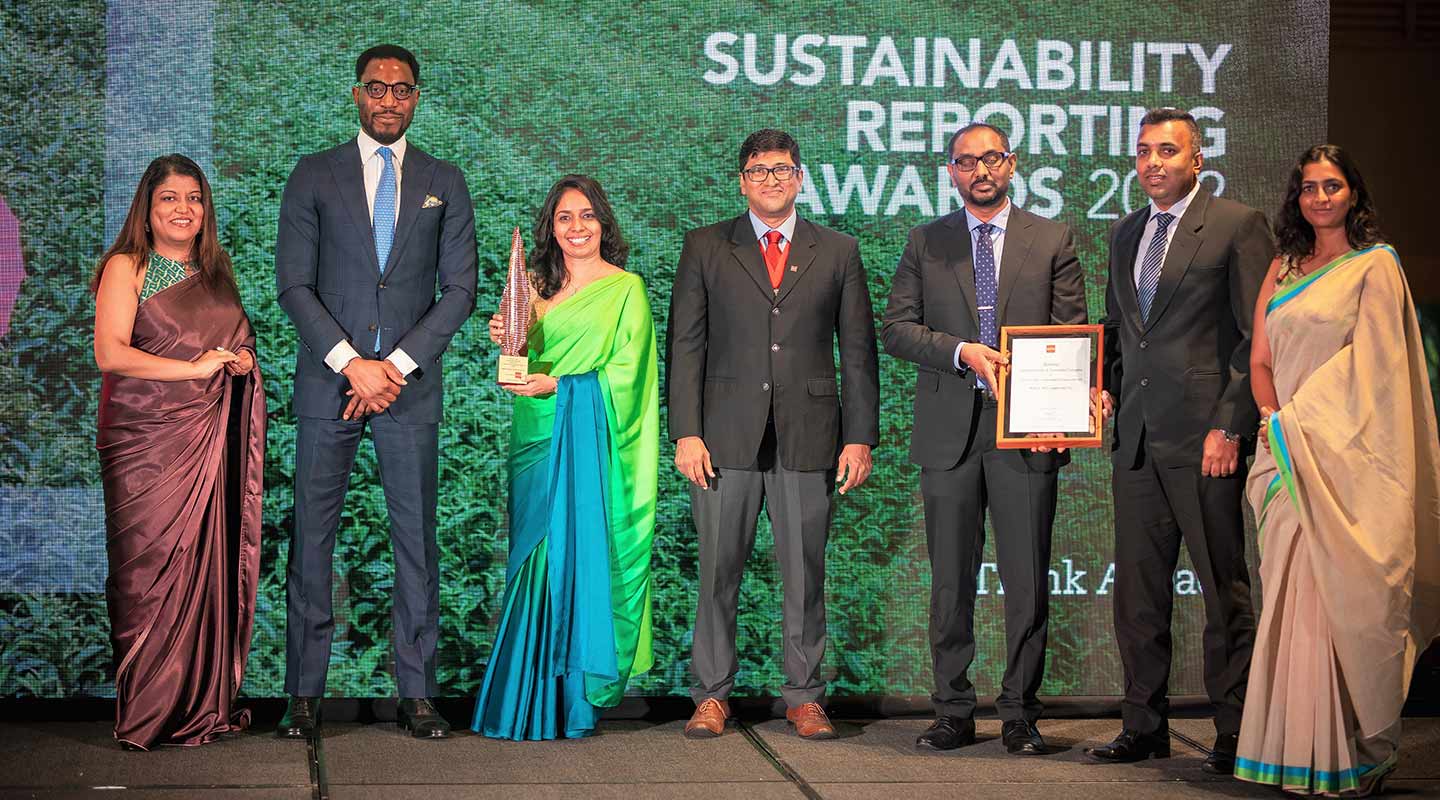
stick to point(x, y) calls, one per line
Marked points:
point(799, 258)
point(746, 249)
point(419, 170)
point(1019, 235)
point(962, 263)
point(349, 174)
point(1179, 255)
point(1123, 256)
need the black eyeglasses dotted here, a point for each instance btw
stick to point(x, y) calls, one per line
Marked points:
point(377, 89)
point(991, 159)
point(782, 173)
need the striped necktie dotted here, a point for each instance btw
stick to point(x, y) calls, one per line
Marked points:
point(1150, 267)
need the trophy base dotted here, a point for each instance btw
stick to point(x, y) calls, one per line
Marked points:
point(513, 369)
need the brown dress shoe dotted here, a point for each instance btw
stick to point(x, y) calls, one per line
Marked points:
point(810, 722)
point(709, 718)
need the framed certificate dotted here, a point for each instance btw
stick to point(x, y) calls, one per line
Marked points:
point(1044, 396)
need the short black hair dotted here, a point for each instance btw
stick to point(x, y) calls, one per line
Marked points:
point(768, 140)
point(394, 51)
point(955, 137)
point(1155, 116)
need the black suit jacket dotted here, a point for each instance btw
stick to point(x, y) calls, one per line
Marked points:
point(737, 350)
point(932, 310)
point(332, 288)
point(1186, 370)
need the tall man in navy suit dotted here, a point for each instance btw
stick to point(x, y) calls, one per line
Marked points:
point(370, 232)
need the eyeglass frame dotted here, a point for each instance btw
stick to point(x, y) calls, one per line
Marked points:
point(794, 169)
point(980, 159)
point(389, 87)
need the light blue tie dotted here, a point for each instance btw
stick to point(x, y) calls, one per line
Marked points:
point(1150, 267)
point(986, 291)
point(384, 221)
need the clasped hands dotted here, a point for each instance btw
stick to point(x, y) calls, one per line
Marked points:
point(235, 362)
point(374, 385)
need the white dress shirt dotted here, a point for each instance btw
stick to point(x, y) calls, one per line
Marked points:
point(373, 164)
point(997, 241)
point(1179, 211)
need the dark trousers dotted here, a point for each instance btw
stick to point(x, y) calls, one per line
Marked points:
point(798, 503)
point(1156, 507)
point(1021, 502)
point(408, 459)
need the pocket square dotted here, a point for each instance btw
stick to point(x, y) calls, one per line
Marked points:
point(431, 201)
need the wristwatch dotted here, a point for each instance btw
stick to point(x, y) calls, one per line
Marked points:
point(1233, 438)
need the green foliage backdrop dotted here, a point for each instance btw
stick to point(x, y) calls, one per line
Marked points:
point(516, 95)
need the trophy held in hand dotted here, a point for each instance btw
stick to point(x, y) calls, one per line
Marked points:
point(515, 312)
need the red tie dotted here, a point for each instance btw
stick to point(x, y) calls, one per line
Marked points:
point(774, 257)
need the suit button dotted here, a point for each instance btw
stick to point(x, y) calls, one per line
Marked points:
point(372, 328)
point(775, 311)
point(1144, 344)
point(765, 386)
point(774, 348)
point(1144, 381)
point(382, 286)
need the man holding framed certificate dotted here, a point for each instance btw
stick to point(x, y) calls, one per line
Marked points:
point(960, 278)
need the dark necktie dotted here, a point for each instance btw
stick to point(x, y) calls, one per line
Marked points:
point(985, 288)
point(1150, 267)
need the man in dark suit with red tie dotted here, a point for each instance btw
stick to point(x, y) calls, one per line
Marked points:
point(960, 279)
point(758, 305)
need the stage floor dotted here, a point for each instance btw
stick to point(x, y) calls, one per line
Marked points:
point(635, 760)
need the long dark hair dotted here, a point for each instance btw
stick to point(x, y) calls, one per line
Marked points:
point(1295, 237)
point(547, 262)
point(135, 240)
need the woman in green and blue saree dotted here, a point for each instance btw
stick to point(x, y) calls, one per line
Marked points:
point(584, 450)
point(1346, 492)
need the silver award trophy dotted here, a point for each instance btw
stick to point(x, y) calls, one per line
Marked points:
point(515, 313)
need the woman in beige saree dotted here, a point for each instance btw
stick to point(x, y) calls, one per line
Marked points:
point(1346, 494)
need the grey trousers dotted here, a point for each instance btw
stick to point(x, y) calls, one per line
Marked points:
point(798, 504)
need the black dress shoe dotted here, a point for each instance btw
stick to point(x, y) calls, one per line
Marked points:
point(1133, 746)
point(418, 715)
point(1022, 738)
point(1221, 760)
point(301, 720)
point(947, 733)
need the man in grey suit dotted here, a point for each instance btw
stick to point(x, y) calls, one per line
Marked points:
point(368, 231)
point(758, 305)
point(960, 279)
point(1185, 272)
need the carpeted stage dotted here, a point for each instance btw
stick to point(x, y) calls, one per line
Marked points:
point(52, 751)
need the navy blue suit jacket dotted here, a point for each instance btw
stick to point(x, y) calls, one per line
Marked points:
point(332, 287)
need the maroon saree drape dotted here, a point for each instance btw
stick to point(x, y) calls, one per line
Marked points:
point(181, 464)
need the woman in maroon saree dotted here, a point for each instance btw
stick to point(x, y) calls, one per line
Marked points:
point(181, 438)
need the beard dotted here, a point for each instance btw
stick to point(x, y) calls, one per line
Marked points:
point(985, 202)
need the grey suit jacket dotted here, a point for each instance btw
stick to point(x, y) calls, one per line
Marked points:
point(1186, 369)
point(932, 310)
point(332, 287)
point(736, 349)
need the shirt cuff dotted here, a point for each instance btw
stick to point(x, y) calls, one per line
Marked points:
point(959, 365)
point(340, 355)
point(402, 361)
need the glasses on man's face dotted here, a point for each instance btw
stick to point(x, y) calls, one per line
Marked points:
point(992, 159)
point(375, 90)
point(782, 173)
